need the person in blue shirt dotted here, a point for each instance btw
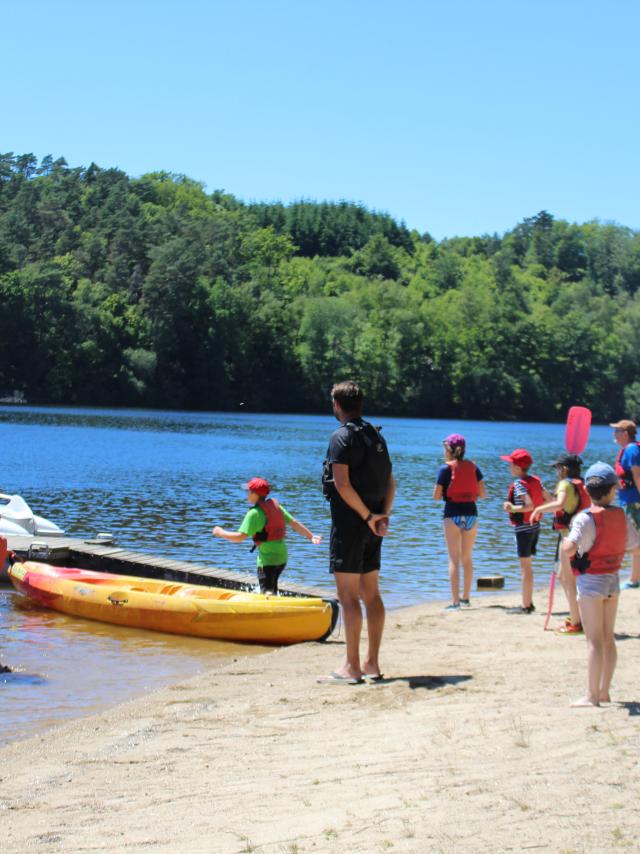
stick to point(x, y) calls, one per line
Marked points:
point(628, 470)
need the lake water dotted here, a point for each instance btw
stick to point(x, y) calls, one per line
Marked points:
point(158, 481)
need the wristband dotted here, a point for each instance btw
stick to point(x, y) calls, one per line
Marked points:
point(369, 518)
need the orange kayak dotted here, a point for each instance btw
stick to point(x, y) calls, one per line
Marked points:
point(167, 606)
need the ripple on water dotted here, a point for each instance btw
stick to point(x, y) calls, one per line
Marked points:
point(159, 481)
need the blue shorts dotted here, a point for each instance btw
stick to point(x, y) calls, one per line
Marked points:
point(526, 542)
point(465, 523)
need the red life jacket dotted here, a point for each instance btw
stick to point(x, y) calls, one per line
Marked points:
point(625, 476)
point(562, 518)
point(464, 483)
point(275, 527)
point(607, 553)
point(533, 486)
point(3, 551)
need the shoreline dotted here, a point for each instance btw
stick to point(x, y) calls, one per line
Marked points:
point(232, 651)
point(468, 744)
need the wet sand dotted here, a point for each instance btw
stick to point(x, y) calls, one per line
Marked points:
point(469, 745)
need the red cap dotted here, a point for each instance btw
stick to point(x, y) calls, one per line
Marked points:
point(258, 485)
point(519, 457)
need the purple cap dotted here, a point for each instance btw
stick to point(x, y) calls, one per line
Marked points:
point(455, 440)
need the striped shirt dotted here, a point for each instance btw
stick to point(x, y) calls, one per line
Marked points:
point(519, 493)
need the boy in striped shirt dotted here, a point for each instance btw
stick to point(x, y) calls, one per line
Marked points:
point(525, 493)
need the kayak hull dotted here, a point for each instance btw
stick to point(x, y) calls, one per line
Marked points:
point(165, 606)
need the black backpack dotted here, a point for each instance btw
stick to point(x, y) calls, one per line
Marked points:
point(371, 478)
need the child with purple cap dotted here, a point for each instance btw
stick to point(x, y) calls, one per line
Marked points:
point(459, 483)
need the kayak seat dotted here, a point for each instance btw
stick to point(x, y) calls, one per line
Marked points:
point(169, 589)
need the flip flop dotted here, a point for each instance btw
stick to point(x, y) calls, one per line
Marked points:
point(372, 677)
point(334, 678)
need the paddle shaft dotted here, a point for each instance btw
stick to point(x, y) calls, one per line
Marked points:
point(576, 436)
point(552, 583)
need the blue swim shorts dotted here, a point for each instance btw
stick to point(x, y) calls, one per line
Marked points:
point(465, 523)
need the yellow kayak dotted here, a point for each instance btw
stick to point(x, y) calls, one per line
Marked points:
point(167, 606)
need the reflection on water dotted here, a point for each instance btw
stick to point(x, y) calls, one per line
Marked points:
point(65, 667)
point(158, 481)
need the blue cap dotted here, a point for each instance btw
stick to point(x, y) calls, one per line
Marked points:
point(603, 471)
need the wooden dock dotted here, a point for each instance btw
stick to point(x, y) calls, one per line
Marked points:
point(106, 556)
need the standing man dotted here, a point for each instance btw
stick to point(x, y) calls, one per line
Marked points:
point(628, 470)
point(360, 487)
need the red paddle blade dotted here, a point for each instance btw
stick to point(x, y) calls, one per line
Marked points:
point(576, 433)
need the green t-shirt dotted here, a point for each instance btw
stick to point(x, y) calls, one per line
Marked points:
point(571, 497)
point(272, 552)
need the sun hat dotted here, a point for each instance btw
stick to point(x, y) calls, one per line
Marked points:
point(455, 440)
point(258, 485)
point(520, 457)
point(625, 424)
point(602, 472)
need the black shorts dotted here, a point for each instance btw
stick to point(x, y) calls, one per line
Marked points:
point(526, 542)
point(354, 549)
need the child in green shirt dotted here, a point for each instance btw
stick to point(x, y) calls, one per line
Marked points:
point(266, 524)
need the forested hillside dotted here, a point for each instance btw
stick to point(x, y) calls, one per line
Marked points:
point(151, 292)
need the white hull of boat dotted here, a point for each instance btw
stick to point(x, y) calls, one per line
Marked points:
point(18, 520)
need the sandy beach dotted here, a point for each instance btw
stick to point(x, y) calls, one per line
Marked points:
point(468, 745)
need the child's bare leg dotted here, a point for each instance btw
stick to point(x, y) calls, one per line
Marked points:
point(526, 569)
point(610, 653)
point(568, 581)
point(591, 614)
point(468, 539)
point(452, 535)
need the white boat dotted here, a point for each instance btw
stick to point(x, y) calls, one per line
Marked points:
point(18, 520)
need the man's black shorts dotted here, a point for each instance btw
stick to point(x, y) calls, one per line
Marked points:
point(527, 542)
point(354, 549)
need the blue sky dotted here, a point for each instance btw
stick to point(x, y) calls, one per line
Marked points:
point(457, 117)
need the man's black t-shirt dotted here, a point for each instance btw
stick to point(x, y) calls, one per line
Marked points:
point(360, 446)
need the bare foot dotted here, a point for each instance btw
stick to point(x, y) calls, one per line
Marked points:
point(583, 702)
point(604, 698)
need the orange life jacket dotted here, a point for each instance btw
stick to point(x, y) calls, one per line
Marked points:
point(533, 486)
point(562, 518)
point(607, 553)
point(464, 483)
point(275, 527)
